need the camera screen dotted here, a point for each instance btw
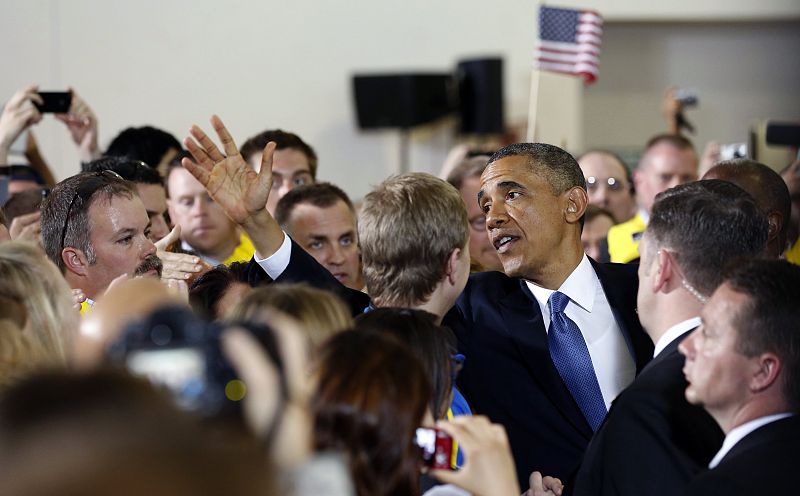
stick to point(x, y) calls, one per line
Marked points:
point(181, 370)
point(426, 440)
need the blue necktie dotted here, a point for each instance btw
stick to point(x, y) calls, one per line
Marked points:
point(572, 360)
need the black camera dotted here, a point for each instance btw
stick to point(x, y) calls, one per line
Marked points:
point(175, 349)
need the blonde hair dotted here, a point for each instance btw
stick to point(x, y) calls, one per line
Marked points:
point(408, 227)
point(34, 283)
point(321, 313)
point(20, 355)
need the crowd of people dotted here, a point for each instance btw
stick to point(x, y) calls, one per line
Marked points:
point(195, 317)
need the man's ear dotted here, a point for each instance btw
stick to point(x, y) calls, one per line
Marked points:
point(665, 271)
point(452, 265)
point(576, 202)
point(775, 220)
point(767, 371)
point(75, 260)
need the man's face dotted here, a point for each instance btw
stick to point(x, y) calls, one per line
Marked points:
point(154, 199)
point(662, 167)
point(594, 234)
point(718, 375)
point(607, 185)
point(329, 235)
point(204, 224)
point(119, 230)
point(290, 169)
point(525, 219)
point(479, 245)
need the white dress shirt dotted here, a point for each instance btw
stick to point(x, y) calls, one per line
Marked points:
point(738, 433)
point(674, 333)
point(275, 264)
point(613, 362)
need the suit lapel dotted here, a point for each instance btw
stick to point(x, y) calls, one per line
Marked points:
point(523, 320)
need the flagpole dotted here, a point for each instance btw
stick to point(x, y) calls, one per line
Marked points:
point(533, 101)
point(533, 106)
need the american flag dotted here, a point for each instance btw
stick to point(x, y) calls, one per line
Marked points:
point(569, 42)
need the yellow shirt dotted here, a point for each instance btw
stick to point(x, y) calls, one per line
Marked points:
point(242, 253)
point(793, 253)
point(623, 240)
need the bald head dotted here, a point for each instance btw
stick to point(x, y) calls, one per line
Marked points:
point(121, 304)
point(768, 190)
point(608, 183)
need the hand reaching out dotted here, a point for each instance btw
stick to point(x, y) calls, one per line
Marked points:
point(234, 185)
point(544, 486)
point(18, 115)
point(82, 125)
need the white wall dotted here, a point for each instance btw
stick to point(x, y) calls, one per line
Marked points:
point(263, 64)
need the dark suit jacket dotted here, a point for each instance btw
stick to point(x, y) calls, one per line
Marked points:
point(508, 374)
point(653, 441)
point(765, 461)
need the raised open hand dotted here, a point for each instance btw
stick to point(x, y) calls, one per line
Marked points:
point(229, 179)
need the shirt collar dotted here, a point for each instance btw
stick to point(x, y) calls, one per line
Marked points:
point(210, 261)
point(673, 333)
point(738, 433)
point(579, 286)
point(644, 215)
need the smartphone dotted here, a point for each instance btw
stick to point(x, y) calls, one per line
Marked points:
point(55, 102)
point(687, 97)
point(732, 150)
point(436, 448)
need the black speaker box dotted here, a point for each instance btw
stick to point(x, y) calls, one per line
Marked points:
point(480, 92)
point(402, 100)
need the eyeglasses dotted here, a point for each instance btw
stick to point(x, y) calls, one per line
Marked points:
point(91, 183)
point(613, 183)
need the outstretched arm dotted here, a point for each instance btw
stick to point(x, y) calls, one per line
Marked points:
point(234, 185)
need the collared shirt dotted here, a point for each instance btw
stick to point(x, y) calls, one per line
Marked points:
point(242, 253)
point(673, 333)
point(86, 305)
point(589, 309)
point(738, 433)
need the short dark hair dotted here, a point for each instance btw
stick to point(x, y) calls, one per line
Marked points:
point(146, 143)
point(283, 140)
point(770, 321)
point(322, 195)
point(22, 203)
point(129, 169)
point(434, 346)
point(469, 167)
point(708, 224)
point(557, 166)
point(66, 210)
point(206, 291)
point(765, 185)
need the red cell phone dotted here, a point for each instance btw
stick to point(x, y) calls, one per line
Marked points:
point(55, 102)
point(436, 448)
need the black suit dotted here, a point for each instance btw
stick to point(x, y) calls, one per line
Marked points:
point(508, 374)
point(653, 441)
point(763, 462)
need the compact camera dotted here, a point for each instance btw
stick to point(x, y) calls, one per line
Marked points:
point(176, 350)
point(436, 448)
